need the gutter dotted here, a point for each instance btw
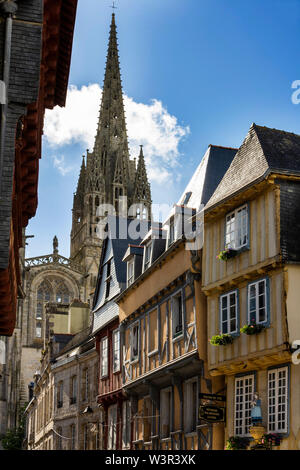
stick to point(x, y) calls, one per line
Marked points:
point(9, 8)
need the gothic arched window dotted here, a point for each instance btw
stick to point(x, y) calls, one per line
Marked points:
point(44, 294)
point(62, 294)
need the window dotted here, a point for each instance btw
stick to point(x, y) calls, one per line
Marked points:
point(126, 428)
point(147, 260)
point(190, 406)
point(135, 342)
point(278, 400)
point(229, 313)
point(60, 391)
point(38, 329)
point(104, 357)
point(116, 351)
point(244, 391)
point(112, 427)
point(108, 279)
point(130, 272)
point(176, 308)
point(237, 228)
point(73, 437)
point(258, 301)
point(85, 437)
point(73, 398)
point(165, 412)
point(86, 384)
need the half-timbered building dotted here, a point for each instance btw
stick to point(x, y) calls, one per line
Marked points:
point(250, 275)
point(163, 326)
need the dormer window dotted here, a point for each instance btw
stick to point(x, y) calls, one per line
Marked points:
point(108, 279)
point(147, 256)
point(171, 231)
point(130, 272)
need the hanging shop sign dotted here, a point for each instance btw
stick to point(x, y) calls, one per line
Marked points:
point(211, 413)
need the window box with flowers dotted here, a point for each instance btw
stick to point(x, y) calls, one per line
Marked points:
point(252, 329)
point(227, 254)
point(267, 442)
point(221, 340)
point(237, 443)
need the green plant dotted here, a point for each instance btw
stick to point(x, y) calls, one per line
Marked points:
point(252, 329)
point(226, 254)
point(270, 440)
point(13, 439)
point(221, 340)
point(237, 443)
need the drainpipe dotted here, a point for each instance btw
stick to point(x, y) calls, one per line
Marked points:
point(8, 8)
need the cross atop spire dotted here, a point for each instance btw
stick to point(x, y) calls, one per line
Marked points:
point(113, 6)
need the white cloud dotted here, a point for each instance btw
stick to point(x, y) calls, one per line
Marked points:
point(147, 124)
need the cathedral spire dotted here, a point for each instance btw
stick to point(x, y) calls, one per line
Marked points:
point(142, 191)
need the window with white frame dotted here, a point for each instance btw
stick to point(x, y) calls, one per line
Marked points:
point(134, 341)
point(278, 400)
point(176, 310)
point(257, 301)
point(165, 412)
point(108, 279)
point(229, 313)
point(126, 426)
point(244, 392)
point(190, 405)
point(147, 255)
point(237, 229)
point(130, 272)
point(116, 351)
point(171, 231)
point(112, 427)
point(104, 357)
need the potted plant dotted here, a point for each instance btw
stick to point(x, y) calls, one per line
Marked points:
point(237, 443)
point(221, 340)
point(252, 329)
point(270, 440)
point(226, 254)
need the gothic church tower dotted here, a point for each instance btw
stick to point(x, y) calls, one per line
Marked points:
point(108, 173)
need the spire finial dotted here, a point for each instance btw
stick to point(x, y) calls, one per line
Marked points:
point(113, 7)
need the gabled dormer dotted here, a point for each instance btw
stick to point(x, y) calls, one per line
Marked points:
point(153, 244)
point(134, 262)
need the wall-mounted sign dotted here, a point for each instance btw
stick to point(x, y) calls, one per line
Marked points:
point(212, 413)
point(212, 396)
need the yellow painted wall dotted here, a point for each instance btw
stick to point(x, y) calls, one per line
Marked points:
point(292, 286)
point(264, 240)
point(176, 264)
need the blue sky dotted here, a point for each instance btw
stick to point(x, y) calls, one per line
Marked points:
point(212, 68)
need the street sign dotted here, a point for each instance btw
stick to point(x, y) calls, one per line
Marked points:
point(212, 413)
point(212, 396)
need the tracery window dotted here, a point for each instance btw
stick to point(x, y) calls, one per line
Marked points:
point(43, 296)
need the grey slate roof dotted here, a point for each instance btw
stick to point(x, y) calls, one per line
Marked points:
point(207, 176)
point(264, 150)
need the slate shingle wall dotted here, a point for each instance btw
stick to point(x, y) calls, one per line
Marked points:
point(290, 220)
point(23, 90)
